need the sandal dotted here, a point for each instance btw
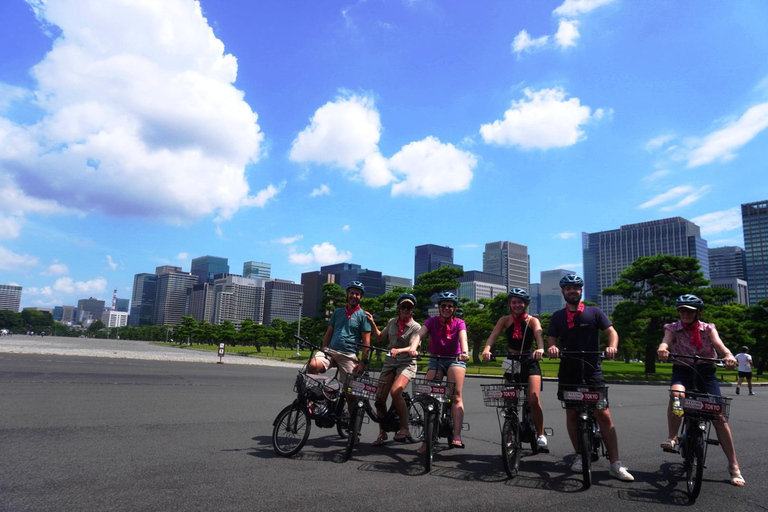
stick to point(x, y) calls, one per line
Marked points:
point(736, 478)
point(457, 444)
point(381, 439)
point(670, 445)
point(402, 437)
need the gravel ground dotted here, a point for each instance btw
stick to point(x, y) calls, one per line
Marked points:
point(120, 349)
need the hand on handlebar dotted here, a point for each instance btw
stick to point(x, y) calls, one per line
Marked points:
point(463, 356)
point(610, 352)
point(730, 361)
point(553, 352)
point(663, 355)
point(486, 355)
point(537, 354)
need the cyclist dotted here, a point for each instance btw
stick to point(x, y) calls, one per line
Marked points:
point(347, 325)
point(521, 329)
point(690, 336)
point(400, 366)
point(578, 328)
point(448, 339)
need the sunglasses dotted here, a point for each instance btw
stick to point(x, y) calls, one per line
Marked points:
point(406, 306)
point(447, 306)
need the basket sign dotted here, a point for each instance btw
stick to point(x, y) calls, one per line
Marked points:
point(504, 394)
point(428, 389)
point(698, 405)
point(581, 396)
point(364, 387)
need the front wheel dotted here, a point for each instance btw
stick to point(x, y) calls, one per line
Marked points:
point(585, 450)
point(430, 436)
point(694, 464)
point(355, 424)
point(342, 418)
point(291, 430)
point(510, 445)
point(532, 432)
point(417, 420)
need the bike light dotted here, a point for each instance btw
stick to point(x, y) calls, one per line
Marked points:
point(431, 407)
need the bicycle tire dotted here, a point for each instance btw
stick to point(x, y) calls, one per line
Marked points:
point(694, 464)
point(511, 445)
point(531, 427)
point(355, 423)
point(417, 417)
point(430, 435)
point(585, 449)
point(448, 425)
point(291, 430)
point(342, 418)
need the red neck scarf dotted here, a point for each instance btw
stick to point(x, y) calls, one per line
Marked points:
point(351, 312)
point(572, 315)
point(694, 333)
point(401, 325)
point(517, 330)
point(445, 327)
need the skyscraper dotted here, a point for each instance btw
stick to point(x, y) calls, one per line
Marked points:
point(172, 295)
point(551, 298)
point(312, 283)
point(282, 300)
point(143, 300)
point(726, 262)
point(257, 270)
point(430, 257)
point(236, 298)
point(476, 285)
point(10, 297)
point(89, 310)
point(608, 253)
point(754, 220)
point(509, 260)
point(207, 267)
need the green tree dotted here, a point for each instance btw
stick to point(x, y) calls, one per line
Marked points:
point(187, 329)
point(333, 297)
point(10, 320)
point(37, 321)
point(95, 327)
point(430, 283)
point(227, 333)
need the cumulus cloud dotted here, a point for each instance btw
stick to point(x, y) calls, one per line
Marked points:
point(431, 168)
point(69, 285)
point(322, 254)
point(9, 260)
point(544, 119)
point(182, 256)
point(680, 196)
point(129, 114)
point(56, 269)
point(523, 42)
point(567, 33)
point(10, 227)
point(322, 190)
point(346, 228)
point(574, 8)
point(723, 144)
point(719, 222)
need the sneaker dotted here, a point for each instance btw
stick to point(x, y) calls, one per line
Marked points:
point(620, 472)
point(737, 391)
point(751, 393)
point(576, 467)
point(542, 442)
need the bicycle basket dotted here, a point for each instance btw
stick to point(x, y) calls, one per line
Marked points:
point(706, 407)
point(316, 387)
point(363, 386)
point(438, 389)
point(503, 395)
point(578, 396)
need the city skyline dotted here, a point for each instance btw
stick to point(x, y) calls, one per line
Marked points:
point(140, 134)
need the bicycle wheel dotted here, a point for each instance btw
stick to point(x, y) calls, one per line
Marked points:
point(417, 416)
point(531, 428)
point(430, 435)
point(585, 450)
point(355, 423)
point(448, 424)
point(291, 430)
point(342, 418)
point(694, 463)
point(511, 445)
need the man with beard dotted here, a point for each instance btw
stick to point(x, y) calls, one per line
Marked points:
point(578, 328)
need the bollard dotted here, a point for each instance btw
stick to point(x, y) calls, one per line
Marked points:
point(221, 353)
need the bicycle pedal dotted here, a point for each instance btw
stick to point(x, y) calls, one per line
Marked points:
point(713, 442)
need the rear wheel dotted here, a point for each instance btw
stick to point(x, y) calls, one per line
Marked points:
point(291, 430)
point(585, 449)
point(510, 445)
point(694, 464)
point(355, 423)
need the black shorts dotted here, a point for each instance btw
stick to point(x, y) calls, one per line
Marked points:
point(745, 374)
point(528, 367)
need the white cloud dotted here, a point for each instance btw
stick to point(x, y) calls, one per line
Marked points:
point(523, 42)
point(565, 236)
point(431, 168)
point(342, 133)
point(656, 175)
point(375, 171)
point(322, 190)
point(722, 144)
point(69, 285)
point(182, 256)
point(567, 33)
point(288, 240)
point(10, 227)
point(56, 269)
point(346, 228)
point(658, 142)
point(544, 119)
point(683, 195)
point(9, 260)
point(719, 222)
point(129, 114)
point(111, 263)
point(322, 254)
point(574, 8)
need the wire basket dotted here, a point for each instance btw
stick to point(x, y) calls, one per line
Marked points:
point(316, 387)
point(504, 395)
point(440, 390)
point(706, 407)
point(363, 386)
point(578, 396)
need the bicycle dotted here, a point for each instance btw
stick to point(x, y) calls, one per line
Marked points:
point(318, 398)
point(699, 410)
point(586, 398)
point(432, 401)
point(511, 400)
point(366, 388)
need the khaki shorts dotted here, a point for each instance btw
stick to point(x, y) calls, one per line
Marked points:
point(345, 362)
point(405, 367)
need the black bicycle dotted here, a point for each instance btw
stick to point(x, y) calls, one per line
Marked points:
point(699, 409)
point(365, 388)
point(586, 398)
point(319, 398)
point(513, 413)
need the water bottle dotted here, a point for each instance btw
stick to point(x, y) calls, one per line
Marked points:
point(677, 407)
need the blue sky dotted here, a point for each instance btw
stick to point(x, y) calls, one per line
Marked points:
point(139, 133)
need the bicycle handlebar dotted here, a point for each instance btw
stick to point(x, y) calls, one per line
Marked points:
point(718, 361)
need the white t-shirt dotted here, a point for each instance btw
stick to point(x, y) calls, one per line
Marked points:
point(745, 361)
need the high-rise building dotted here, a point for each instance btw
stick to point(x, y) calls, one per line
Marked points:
point(345, 273)
point(313, 282)
point(534, 308)
point(551, 298)
point(392, 282)
point(608, 253)
point(430, 257)
point(754, 221)
point(475, 285)
point(10, 297)
point(201, 302)
point(68, 315)
point(123, 305)
point(89, 310)
point(509, 260)
point(236, 298)
point(143, 299)
point(172, 297)
point(207, 267)
point(283, 299)
point(114, 318)
point(729, 261)
point(257, 270)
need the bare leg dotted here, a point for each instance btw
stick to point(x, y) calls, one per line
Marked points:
point(534, 385)
point(456, 374)
point(608, 430)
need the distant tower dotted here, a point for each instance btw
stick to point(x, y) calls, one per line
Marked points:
point(114, 300)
